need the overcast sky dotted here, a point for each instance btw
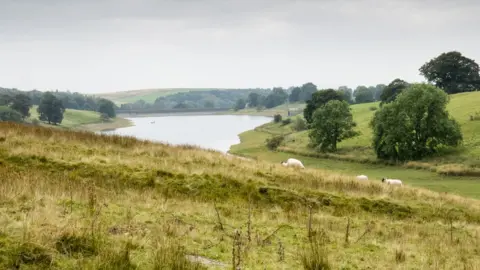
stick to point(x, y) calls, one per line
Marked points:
point(111, 45)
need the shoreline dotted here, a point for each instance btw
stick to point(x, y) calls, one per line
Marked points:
point(118, 122)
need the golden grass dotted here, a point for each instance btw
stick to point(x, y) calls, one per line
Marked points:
point(76, 200)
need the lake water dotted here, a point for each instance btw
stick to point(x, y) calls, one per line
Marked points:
point(217, 132)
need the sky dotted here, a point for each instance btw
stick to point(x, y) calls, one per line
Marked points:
point(98, 46)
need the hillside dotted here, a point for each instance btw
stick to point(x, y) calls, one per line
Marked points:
point(356, 156)
point(148, 95)
point(79, 119)
point(83, 201)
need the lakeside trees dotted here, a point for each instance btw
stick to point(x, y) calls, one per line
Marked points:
point(106, 107)
point(51, 109)
point(319, 99)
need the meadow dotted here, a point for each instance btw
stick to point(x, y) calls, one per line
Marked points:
point(80, 119)
point(76, 200)
point(461, 161)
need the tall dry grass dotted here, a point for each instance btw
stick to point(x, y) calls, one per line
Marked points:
point(75, 199)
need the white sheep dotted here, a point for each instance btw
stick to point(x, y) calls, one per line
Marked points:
point(291, 162)
point(392, 181)
point(362, 177)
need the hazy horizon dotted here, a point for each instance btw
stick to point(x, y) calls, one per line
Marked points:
point(105, 46)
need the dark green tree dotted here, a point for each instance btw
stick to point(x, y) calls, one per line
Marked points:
point(107, 107)
point(319, 99)
point(22, 104)
point(415, 125)
point(277, 97)
point(209, 104)
point(51, 109)
point(392, 90)
point(307, 91)
point(452, 72)
point(332, 123)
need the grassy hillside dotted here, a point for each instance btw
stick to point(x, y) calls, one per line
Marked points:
point(355, 156)
point(88, 120)
point(82, 201)
point(148, 95)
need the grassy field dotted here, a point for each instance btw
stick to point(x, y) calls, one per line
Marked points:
point(76, 200)
point(463, 160)
point(85, 120)
point(148, 95)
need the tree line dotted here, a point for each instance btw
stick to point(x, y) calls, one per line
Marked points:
point(15, 105)
point(412, 121)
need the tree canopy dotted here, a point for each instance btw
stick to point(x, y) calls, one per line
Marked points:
point(240, 105)
point(319, 99)
point(51, 109)
point(9, 114)
point(452, 72)
point(364, 94)
point(22, 104)
point(107, 107)
point(415, 125)
point(332, 123)
point(392, 90)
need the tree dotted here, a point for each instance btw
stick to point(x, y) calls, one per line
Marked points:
point(347, 93)
point(22, 104)
point(8, 114)
point(295, 94)
point(240, 105)
point(277, 118)
point(364, 94)
point(51, 109)
point(452, 72)
point(332, 123)
point(307, 91)
point(209, 104)
point(253, 99)
point(5, 100)
point(415, 125)
point(392, 90)
point(319, 99)
point(107, 107)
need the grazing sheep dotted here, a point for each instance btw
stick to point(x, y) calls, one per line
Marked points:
point(362, 177)
point(392, 181)
point(291, 162)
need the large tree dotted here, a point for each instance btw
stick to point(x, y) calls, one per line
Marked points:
point(107, 107)
point(392, 90)
point(332, 123)
point(240, 105)
point(51, 109)
point(378, 91)
point(364, 94)
point(415, 125)
point(22, 104)
point(295, 94)
point(319, 99)
point(278, 96)
point(253, 99)
point(452, 72)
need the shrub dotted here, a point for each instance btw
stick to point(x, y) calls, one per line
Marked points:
point(274, 142)
point(277, 118)
point(373, 108)
point(286, 121)
point(299, 124)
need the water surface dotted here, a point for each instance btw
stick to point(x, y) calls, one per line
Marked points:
point(216, 132)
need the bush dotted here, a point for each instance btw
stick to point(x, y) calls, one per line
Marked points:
point(475, 117)
point(286, 121)
point(277, 118)
point(274, 142)
point(299, 124)
point(373, 108)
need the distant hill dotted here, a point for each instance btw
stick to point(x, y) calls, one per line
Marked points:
point(148, 95)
